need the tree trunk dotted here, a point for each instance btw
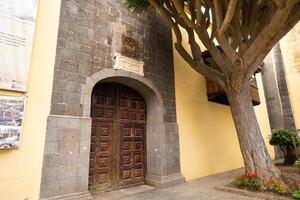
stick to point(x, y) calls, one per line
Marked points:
point(254, 151)
point(290, 157)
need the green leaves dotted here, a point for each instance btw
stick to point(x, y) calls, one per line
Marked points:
point(288, 142)
point(137, 6)
point(284, 137)
point(297, 164)
point(249, 181)
point(296, 194)
point(276, 186)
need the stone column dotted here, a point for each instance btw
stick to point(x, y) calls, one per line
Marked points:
point(272, 95)
point(274, 108)
point(276, 93)
point(288, 117)
point(163, 161)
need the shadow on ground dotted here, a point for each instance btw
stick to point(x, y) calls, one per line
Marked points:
point(199, 189)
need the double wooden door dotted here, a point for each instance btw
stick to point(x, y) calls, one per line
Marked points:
point(117, 157)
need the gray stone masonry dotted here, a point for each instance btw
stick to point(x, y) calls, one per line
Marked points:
point(276, 93)
point(273, 102)
point(282, 88)
point(89, 37)
point(272, 94)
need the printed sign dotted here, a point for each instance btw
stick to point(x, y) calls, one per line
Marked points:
point(11, 120)
point(129, 64)
point(17, 19)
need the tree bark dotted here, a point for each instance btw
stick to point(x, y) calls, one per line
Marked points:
point(290, 156)
point(253, 148)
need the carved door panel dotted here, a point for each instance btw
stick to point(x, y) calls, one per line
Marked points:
point(131, 126)
point(102, 155)
point(117, 156)
point(132, 168)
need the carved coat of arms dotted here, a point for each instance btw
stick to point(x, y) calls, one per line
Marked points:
point(130, 47)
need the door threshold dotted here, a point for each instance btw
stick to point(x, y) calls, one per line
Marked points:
point(121, 193)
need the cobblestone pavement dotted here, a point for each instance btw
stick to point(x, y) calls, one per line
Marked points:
point(201, 189)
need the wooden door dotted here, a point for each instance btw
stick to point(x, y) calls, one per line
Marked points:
point(117, 156)
point(131, 126)
point(103, 151)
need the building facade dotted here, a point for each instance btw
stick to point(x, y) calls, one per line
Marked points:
point(111, 105)
point(91, 37)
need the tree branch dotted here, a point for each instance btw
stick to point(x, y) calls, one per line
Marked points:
point(204, 69)
point(223, 42)
point(279, 3)
point(228, 17)
point(291, 21)
point(246, 30)
point(200, 67)
point(195, 48)
point(198, 12)
point(267, 33)
point(203, 35)
point(218, 13)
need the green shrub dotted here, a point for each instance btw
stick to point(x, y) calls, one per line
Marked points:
point(283, 138)
point(276, 186)
point(297, 164)
point(249, 181)
point(288, 142)
point(296, 194)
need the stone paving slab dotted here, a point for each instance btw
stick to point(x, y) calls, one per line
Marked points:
point(266, 196)
point(119, 194)
point(200, 189)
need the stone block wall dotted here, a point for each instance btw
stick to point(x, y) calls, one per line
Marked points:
point(88, 38)
point(65, 156)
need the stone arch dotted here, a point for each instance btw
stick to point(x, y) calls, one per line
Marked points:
point(162, 140)
point(152, 96)
point(163, 166)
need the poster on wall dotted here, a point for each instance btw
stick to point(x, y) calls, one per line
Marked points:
point(11, 121)
point(17, 21)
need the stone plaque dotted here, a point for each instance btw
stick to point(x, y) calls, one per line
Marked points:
point(129, 64)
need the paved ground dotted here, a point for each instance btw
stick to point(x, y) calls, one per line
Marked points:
point(201, 189)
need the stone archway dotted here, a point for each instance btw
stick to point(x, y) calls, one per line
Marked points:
point(67, 148)
point(145, 87)
point(159, 172)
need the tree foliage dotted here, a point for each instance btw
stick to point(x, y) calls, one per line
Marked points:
point(137, 5)
point(283, 138)
point(237, 33)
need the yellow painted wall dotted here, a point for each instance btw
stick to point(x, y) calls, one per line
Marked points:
point(208, 141)
point(291, 56)
point(20, 169)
